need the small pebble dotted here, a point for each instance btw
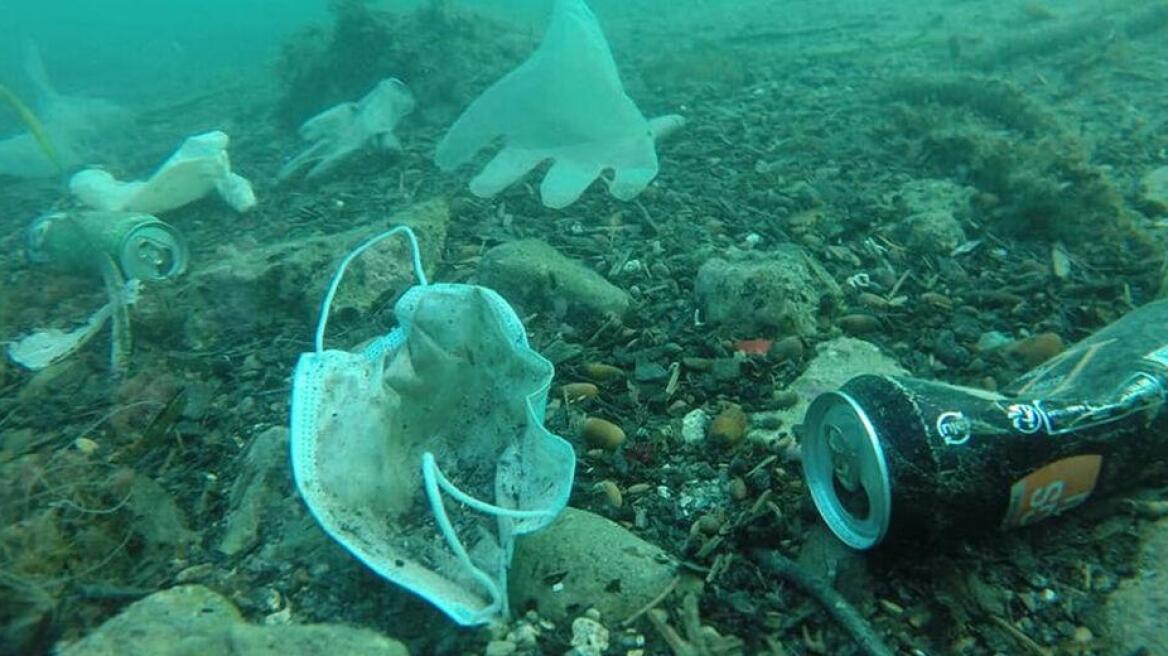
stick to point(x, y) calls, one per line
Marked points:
point(872, 301)
point(611, 493)
point(858, 324)
point(697, 364)
point(709, 524)
point(603, 373)
point(737, 488)
point(937, 300)
point(729, 426)
point(579, 391)
point(693, 425)
point(589, 637)
point(789, 348)
point(500, 648)
point(86, 445)
point(1082, 635)
point(1036, 349)
point(784, 399)
point(601, 433)
point(637, 489)
point(726, 370)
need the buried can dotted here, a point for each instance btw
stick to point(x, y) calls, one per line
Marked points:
point(143, 247)
point(896, 459)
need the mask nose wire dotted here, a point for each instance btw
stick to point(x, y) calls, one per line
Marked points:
point(415, 257)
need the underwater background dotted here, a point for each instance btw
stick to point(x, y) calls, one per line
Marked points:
point(771, 198)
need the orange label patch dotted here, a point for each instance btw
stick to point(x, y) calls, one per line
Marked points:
point(1048, 491)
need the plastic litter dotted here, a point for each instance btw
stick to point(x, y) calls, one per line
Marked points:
point(424, 453)
point(65, 130)
point(565, 103)
point(45, 347)
point(338, 132)
point(197, 168)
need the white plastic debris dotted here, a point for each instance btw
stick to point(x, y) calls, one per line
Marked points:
point(45, 347)
point(41, 349)
point(338, 132)
point(197, 168)
point(72, 129)
point(565, 103)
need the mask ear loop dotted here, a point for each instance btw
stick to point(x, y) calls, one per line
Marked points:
point(434, 478)
point(415, 256)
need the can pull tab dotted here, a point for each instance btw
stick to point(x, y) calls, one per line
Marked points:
point(152, 253)
point(845, 458)
point(154, 256)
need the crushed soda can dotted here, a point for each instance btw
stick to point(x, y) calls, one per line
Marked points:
point(891, 459)
point(142, 246)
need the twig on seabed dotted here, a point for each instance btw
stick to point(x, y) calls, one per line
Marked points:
point(835, 605)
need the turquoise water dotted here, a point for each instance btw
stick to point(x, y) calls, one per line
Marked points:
point(713, 211)
point(125, 48)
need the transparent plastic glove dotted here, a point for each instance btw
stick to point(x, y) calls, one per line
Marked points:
point(198, 167)
point(338, 132)
point(565, 103)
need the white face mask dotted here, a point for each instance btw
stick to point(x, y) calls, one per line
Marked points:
point(425, 454)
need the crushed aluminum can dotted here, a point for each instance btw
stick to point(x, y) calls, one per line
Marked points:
point(142, 246)
point(893, 459)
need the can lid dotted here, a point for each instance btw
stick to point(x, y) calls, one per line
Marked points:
point(846, 471)
point(154, 251)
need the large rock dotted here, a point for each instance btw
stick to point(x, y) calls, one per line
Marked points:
point(764, 294)
point(192, 620)
point(585, 561)
point(533, 275)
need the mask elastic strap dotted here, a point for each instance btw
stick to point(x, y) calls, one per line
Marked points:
point(415, 256)
point(434, 478)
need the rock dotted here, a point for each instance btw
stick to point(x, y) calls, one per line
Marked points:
point(386, 270)
point(936, 232)
point(933, 212)
point(589, 637)
point(262, 482)
point(586, 561)
point(191, 619)
point(835, 362)
point(764, 293)
point(930, 195)
point(531, 274)
point(199, 397)
point(1135, 612)
point(157, 518)
point(693, 426)
point(246, 288)
point(1154, 188)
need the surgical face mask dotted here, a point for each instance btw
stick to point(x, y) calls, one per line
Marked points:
point(424, 453)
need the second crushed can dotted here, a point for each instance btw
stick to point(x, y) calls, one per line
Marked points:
point(894, 458)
